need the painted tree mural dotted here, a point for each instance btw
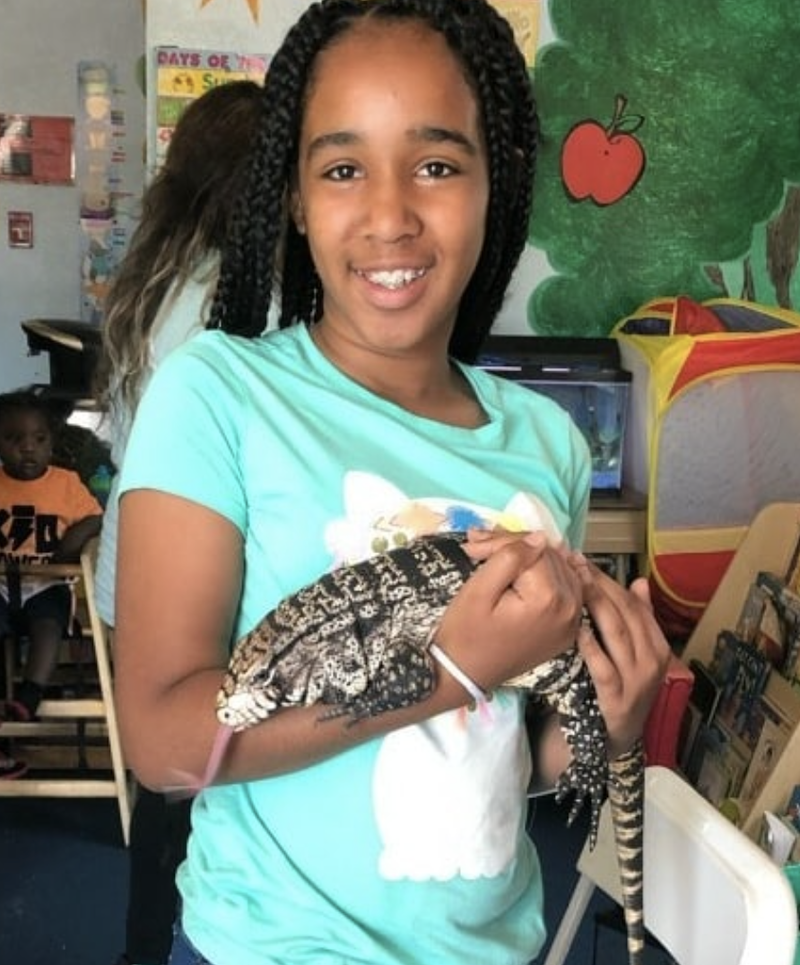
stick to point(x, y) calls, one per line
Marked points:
point(670, 158)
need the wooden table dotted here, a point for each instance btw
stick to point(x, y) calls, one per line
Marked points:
point(617, 529)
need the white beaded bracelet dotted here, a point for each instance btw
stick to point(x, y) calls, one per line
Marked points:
point(477, 693)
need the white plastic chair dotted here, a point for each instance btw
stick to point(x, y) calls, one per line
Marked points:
point(712, 896)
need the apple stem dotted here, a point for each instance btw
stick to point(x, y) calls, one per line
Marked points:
point(620, 103)
point(622, 122)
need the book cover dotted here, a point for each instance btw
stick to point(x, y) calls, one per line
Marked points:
point(752, 611)
point(775, 732)
point(755, 723)
point(791, 666)
point(736, 757)
point(723, 766)
point(781, 621)
point(700, 710)
point(793, 808)
point(792, 579)
point(741, 670)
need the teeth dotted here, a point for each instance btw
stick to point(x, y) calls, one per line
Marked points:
point(394, 279)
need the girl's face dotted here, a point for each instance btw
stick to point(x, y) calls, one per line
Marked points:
point(392, 188)
point(26, 444)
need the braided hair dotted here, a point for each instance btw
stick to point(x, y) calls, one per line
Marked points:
point(266, 255)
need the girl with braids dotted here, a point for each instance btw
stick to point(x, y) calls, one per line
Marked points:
point(385, 206)
point(161, 297)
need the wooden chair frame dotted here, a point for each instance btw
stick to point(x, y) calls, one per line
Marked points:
point(63, 717)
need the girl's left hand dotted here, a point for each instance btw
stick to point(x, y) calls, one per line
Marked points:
point(626, 653)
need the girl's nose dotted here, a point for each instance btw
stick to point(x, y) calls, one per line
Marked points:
point(391, 212)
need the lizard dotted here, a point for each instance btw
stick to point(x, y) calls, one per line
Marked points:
point(358, 641)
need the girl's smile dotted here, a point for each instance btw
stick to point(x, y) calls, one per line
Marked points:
point(393, 279)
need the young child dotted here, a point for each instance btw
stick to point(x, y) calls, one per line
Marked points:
point(46, 516)
point(386, 206)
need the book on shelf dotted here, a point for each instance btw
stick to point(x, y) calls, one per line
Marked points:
point(780, 621)
point(792, 578)
point(791, 815)
point(700, 710)
point(774, 733)
point(792, 812)
point(741, 670)
point(752, 612)
point(767, 633)
point(791, 667)
point(722, 764)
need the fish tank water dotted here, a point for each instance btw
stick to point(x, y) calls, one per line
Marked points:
point(585, 377)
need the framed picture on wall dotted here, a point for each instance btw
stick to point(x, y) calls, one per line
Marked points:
point(20, 229)
point(36, 150)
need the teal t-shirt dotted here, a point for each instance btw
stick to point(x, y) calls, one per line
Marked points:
point(409, 849)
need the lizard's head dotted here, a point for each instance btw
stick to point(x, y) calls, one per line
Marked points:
point(240, 707)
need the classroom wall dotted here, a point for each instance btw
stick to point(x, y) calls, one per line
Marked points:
point(41, 44)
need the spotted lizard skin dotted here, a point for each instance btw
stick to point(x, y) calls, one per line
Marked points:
point(357, 641)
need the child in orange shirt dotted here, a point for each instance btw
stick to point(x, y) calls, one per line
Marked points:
point(46, 516)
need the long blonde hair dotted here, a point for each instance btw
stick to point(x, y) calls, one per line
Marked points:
point(186, 215)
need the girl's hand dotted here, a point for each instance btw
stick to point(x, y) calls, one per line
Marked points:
point(627, 656)
point(519, 609)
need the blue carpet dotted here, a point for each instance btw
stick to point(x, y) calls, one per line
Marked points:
point(559, 847)
point(63, 882)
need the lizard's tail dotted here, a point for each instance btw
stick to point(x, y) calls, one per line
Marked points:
point(626, 797)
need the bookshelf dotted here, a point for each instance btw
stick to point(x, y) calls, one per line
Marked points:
point(767, 545)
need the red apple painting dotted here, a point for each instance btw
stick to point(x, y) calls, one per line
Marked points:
point(600, 163)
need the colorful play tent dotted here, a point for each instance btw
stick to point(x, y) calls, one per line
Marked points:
point(714, 435)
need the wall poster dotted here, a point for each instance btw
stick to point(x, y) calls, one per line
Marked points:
point(36, 150)
point(105, 205)
point(524, 16)
point(184, 74)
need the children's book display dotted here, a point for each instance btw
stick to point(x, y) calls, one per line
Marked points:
point(741, 737)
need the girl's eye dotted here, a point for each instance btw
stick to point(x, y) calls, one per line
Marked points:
point(341, 172)
point(437, 169)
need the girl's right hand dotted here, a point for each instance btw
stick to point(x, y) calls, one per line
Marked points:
point(519, 609)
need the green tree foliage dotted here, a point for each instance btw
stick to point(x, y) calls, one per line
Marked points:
point(716, 85)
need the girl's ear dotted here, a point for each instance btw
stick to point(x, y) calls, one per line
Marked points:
point(296, 210)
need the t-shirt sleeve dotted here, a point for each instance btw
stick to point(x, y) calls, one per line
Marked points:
point(82, 501)
point(186, 434)
point(582, 488)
